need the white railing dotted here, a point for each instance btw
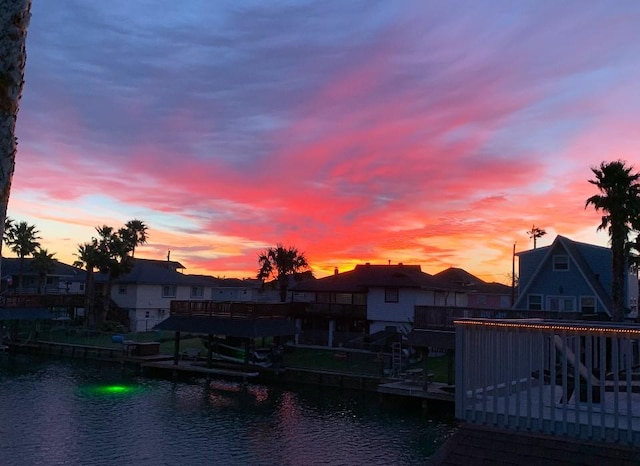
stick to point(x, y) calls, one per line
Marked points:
point(578, 379)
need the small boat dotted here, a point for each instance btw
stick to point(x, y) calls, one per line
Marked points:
point(238, 355)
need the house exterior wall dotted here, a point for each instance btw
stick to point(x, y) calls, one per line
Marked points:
point(489, 301)
point(560, 284)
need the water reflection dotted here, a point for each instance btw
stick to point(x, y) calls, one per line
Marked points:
point(72, 412)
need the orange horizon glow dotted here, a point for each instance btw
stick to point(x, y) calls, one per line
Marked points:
point(419, 133)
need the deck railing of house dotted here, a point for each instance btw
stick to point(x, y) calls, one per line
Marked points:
point(442, 317)
point(26, 301)
point(240, 310)
point(578, 379)
point(331, 310)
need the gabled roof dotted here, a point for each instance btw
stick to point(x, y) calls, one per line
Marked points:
point(575, 250)
point(160, 272)
point(366, 276)
point(469, 282)
point(11, 266)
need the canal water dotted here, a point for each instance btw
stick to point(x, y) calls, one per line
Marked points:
point(70, 412)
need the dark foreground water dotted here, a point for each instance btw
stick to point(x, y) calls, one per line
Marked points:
point(63, 412)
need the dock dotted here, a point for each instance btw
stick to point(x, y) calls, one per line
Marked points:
point(195, 368)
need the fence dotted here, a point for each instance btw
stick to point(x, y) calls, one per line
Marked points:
point(575, 379)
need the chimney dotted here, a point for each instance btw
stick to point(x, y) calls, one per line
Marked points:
point(335, 271)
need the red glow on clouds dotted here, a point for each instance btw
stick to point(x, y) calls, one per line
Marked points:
point(401, 145)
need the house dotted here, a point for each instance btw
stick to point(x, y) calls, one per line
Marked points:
point(146, 292)
point(62, 279)
point(367, 300)
point(480, 294)
point(569, 276)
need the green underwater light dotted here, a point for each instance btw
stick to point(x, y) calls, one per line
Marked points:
point(111, 389)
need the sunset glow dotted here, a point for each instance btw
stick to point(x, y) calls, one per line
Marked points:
point(430, 133)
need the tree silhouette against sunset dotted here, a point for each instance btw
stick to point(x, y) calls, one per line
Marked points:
point(619, 203)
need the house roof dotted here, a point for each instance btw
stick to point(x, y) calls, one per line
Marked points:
point(367, 276)
point(11, 266)
point(471, 283)
point(244, 328)
point(158, 272)
point(576, 251)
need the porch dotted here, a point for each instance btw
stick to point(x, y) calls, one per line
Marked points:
point(573, 379)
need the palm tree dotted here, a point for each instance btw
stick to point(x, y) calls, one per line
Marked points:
point(136, 231)
point(43, 264)
point(14, 20)
point(280, 263)
point(23, 240)
point(88, 257)
point(536, 233)
point(619, 203)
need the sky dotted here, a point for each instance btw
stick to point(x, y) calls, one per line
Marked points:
point(417, 132)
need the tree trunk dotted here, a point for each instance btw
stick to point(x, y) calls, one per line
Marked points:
point(14, 20)
point(618, 261)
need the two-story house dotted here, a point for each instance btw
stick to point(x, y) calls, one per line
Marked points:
point(369, 299)
point(569, 276)
point(146, 292)
point(63, 278)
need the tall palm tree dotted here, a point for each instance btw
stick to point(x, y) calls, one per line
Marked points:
point(88, 257)
point(136, 232)
point(23, 240)
point(14, 20)
point(281, 263)
point(43, 264)
point(619, 202)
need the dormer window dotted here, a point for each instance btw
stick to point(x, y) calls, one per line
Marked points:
point(560, 263)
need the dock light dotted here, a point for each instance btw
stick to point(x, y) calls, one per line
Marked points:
point(111, 390)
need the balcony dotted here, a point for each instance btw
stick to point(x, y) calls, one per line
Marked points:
point(575, 379)
point(442, 317)
point(239, 310)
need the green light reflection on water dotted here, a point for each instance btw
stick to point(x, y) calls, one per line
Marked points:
point(111, 390)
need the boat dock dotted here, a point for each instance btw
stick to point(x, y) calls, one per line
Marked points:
point(191, 368)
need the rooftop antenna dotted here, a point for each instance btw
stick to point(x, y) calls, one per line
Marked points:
point(168, 255)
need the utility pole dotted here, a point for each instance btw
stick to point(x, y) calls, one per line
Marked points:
point(513, 276)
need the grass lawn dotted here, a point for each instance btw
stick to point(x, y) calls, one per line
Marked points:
point(307, 358)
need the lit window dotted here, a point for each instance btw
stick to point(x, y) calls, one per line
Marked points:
point(560, 263)
point(391, 295)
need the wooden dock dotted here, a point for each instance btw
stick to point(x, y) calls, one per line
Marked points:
point(196, 368)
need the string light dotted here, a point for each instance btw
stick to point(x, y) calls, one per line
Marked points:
point(555, 327)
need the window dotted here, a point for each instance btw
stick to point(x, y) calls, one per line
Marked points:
point(588, 304)
point(343, 298)
point(391, 295)
point(81, 286)
point(535, 302)
point(122, 289)
point(168, 291)
point(197, 292)
point(560, 263)
point(560, 303)
point(146, 314)
point(505, 301)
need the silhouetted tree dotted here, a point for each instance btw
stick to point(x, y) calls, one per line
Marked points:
point(135, 233)
point(23, 240)
point(14, 20)
point(281, 263)
point(536, 233)
point(43, 264)
point(88, 257)
point(619, 203)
